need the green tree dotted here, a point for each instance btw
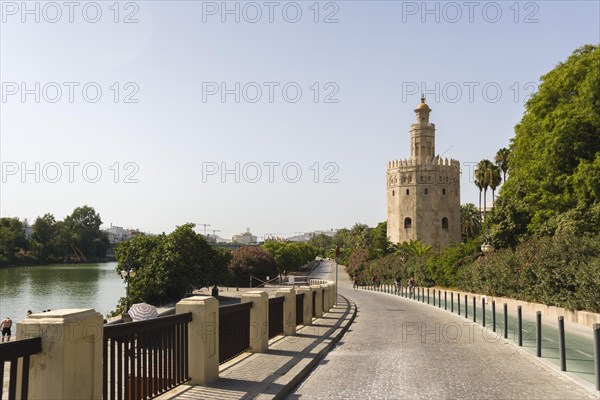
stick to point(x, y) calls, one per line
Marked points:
point(169, 267)
point(13, 243)
point(559, 132)
point(85, 238)
point(470, 221)
point(502, 161)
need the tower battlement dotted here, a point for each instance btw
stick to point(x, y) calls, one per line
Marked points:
point(409, 162)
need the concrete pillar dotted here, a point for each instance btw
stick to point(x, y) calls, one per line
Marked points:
point(203, 337)
point(326, 296)
point(318, 300)
point(307, 309)
point(70, 364)
point(259, 319)
point(289, 310)
point(332, 292)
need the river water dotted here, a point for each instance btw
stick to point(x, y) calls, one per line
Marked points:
point(59, 286)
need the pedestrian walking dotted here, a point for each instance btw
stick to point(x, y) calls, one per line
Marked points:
point(411, 286)
point(397, 282)
point(6, 326)
point(355, 283)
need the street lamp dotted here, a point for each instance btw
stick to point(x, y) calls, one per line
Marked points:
point(486, 247)
point(127, 274)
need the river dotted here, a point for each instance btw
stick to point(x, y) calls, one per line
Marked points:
point(39, 288)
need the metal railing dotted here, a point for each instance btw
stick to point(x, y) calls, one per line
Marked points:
point(234, 330)
point(300, 309)
point(275, 316)
point(534, 329)
point(11, 352)
point(314, 303)
point(145, 358)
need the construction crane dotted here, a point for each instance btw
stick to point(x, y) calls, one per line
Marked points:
point(204, 225)
point(214, 231)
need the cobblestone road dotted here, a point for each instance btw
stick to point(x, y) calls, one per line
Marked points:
point(399, 349)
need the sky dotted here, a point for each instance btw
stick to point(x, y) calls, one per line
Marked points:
point(275, 116)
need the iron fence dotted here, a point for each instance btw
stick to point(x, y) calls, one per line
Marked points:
point(234, 330)
point(145, 358)
point(275, 316)
point(11, 352)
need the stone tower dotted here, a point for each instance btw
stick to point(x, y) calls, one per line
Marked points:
point(423, 191)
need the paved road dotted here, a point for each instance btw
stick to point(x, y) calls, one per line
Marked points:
point(398, 348)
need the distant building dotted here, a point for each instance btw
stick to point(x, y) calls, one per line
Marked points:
point(117, 234)
point(305, 237)
point(423, 191)
point(244, 238)
point(27, 229)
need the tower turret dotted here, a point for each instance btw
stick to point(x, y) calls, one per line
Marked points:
point(422, 134)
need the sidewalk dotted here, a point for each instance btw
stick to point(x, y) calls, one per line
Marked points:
point(272, 375)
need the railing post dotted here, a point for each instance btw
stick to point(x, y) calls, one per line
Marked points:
point(520, 325)
point(307, 309)
point(433, 297)
point(259, 319)
point(458, 302)
point(289, 310)
point(561, 343)
point(474, 309)
point(318, 300)
point(427, 295)
point(505, 321)
point(493, 315)
point(203, 338)
point(597, 354)
point(451, 302)
point(483, 310)
point(440, 298)
point(70, 364)
point(538, 318)
point(466, 307)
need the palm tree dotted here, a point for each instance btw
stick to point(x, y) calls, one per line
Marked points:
point(494, 179)
point(483, 175)
point(470, 220)
point(502, 161)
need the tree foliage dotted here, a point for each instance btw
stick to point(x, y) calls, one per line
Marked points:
point(169, 267)
point(250, 261)
point(555, 153)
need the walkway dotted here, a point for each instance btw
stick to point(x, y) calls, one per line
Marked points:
point(275, 373)
point(398, 348)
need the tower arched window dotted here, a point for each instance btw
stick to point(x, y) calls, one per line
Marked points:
point(407, 223)
point(445, 223)
point(443, 191)
point(407, 191)
point(426, 191)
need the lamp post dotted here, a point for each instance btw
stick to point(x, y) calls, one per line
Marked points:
point(127, 274)
point(486, 247)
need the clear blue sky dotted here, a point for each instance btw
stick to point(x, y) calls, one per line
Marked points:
point(374, 61)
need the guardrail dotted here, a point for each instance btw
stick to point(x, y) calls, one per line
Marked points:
point(299, 309)
point(145, 358)
point(275, 316)
point(11, 352)
point(234, 330)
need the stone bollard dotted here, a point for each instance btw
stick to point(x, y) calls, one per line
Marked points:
point(259, 319)
point(307, 309)
point(70, 364)
point(289, 310)
point(203, 334)
point(318, 300)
